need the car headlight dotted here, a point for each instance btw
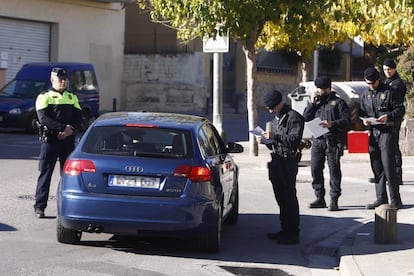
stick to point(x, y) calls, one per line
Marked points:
point(15, 111)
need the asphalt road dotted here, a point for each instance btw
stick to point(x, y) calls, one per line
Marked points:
point(29, 245)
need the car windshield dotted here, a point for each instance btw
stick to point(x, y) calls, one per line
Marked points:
point(138, 141)
point(22, 89)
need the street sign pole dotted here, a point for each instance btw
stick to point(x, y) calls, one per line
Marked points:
point(217, 92)
point(217, 46)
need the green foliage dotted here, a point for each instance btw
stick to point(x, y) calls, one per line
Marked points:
point(406, 70)
point(292, 25)
point(287, 25)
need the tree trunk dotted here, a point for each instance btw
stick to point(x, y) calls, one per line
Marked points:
point(251, 78)
point(305, 65)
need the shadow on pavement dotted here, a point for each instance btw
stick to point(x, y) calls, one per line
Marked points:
point(5, 227)
point(364, 240)
point(245, 242)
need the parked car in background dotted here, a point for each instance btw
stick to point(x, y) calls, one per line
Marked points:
point(349, 91)
point(17, 98)
point(149, 174)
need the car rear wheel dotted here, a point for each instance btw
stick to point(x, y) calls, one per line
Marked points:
point(65, 235)
point(210, 242)
point(233, 215)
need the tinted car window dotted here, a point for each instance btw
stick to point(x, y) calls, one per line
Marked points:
point(136, 141)
point(23, 89)
point(209, 141)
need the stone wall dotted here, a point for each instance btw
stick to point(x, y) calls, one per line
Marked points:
point(167, 83)
point(407, 137)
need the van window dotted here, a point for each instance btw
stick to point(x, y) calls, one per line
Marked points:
point(82, 80)
point(23, 89)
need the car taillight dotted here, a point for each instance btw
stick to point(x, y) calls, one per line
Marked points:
point(75, 167)
point(195, 174)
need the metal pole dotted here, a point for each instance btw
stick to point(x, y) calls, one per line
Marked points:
point(217, 92)
point(315, 64)
point(114, 104)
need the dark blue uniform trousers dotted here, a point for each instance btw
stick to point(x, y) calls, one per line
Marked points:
point(382, 151)
point(49, 154)
point(282, 174)
point(320, 151)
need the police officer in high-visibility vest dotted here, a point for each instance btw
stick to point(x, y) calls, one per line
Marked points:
point(59, 115)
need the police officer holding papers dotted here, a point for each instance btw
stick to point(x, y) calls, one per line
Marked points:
point(334, 115)
point(380, 102)
point(284, 142)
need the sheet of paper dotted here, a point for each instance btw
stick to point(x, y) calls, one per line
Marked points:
point(372, 120)
point(258, 132)
point(315, 127)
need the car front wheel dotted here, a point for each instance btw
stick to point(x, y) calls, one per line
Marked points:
point(65, 235)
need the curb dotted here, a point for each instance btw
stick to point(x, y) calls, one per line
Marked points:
point(347, 264)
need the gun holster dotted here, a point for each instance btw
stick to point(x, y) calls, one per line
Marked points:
point(44, 133)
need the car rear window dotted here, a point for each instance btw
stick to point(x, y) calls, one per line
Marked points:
point(138, 141)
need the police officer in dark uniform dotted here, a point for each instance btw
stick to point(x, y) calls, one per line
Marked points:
point(393, 79)
point(379, 104)
point(284, 140)
point(59, 115)
point(334, 114)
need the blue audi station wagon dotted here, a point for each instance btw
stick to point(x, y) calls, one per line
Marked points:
point(149, 174)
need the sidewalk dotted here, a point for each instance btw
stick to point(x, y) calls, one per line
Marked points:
point(342, 243)
point(360, 255)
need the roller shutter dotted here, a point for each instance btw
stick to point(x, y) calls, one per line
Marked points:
point(23, 42)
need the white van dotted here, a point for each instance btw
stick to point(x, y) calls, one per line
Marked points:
point(349, 91)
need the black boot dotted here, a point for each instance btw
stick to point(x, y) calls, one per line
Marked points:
point(333, 205)
point(318, 203)
point(376, 203)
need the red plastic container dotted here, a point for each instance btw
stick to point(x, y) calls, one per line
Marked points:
point(358, 141)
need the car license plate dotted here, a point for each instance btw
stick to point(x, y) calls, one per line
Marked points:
point(133, 181)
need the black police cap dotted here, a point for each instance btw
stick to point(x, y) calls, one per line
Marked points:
point(371, 74)
point(323, 82)
point(59, 72)
point(272, 99)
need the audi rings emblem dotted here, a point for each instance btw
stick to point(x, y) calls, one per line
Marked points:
point(134, 169)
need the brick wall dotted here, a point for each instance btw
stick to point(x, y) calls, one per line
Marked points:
point(168, 83)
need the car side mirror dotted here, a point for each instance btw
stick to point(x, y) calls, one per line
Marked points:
point(234, 147)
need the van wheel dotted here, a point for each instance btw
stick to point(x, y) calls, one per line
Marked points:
point(31, 126)
point(65, 235)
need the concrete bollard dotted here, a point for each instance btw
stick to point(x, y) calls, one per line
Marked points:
point(385, 224)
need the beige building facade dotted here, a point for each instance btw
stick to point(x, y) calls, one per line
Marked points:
point(68, 30)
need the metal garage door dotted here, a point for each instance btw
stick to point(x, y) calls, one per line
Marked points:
point(22, 42)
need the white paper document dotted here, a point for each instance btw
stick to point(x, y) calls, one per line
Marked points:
point(315, 127)
point(258, 132)
point(372, 120)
